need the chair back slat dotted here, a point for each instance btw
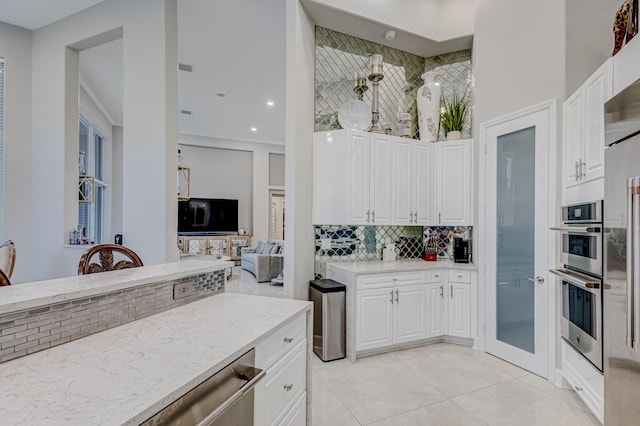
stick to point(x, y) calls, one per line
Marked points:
point(105, 253)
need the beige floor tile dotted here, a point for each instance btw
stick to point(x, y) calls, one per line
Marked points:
point(446, 413)
point(515, 403)
point(244, 282)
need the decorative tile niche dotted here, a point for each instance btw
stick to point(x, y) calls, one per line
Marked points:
point(339, 56)
point(351, 243)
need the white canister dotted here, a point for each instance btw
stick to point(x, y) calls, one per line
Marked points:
point(404, 125)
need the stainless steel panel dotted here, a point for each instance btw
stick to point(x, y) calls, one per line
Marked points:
point(226, 398)
point(622, 114)
point(621, 361)
point(329, 321)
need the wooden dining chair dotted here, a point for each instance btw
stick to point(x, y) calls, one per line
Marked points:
point(105, 253)
point(7, 257)
point(4, 279)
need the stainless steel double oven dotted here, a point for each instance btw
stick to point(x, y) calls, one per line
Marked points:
point(580, 275)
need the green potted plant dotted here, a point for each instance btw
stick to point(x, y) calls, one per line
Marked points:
point(455, 111)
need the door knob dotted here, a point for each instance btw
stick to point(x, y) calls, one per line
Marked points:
point(537, 280)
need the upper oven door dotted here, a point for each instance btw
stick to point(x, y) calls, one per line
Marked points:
point(582, 213)
point(582, 248)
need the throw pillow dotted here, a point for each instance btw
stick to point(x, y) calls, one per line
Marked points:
point(267, 248)
point(275, 249)
point(260, 247)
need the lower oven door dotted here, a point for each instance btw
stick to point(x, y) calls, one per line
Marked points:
point(581, 322)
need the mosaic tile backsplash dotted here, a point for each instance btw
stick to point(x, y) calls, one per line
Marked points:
point(339, 56)
point(365, 243)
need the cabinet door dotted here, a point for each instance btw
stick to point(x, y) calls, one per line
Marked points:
point(459, 309)
point(424, 182)
point(358, 167)
point(435, 309)
point(409, 321)
point(402, 183)
point(597, 90)
point(380, 179)
point(454, 183)
point(572, 119)
point(374, 318)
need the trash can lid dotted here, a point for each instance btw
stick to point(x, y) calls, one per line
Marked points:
point(327, 286)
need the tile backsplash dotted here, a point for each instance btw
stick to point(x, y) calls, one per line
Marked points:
point(339, 56)
point(352, 243)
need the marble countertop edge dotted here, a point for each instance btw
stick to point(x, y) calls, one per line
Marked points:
point(24, 296)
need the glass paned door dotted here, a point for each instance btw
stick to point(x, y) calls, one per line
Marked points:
point(519, 307)
point(515, 236)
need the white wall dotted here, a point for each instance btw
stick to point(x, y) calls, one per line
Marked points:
point(518, 61)
point(299, 124)
point(117, 181)
point(276, 170)
point(15, 48)
point(150, 133)
point(260, 182)
point(222, 173)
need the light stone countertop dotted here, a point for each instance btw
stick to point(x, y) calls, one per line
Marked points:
point(39, 293)
point(374, 267)
point(126, 374)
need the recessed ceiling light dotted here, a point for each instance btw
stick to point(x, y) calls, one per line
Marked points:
point(270, 103)
point(221, 95)
point(254, 129)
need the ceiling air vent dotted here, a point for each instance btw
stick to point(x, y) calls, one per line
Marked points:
point(186, 112)
point(186, 67)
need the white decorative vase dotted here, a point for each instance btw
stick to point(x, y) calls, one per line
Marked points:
point(428, 100)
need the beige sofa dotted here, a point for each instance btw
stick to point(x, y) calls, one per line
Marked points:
point(264, 261)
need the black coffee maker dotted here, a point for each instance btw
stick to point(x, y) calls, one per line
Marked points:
point(461, 253)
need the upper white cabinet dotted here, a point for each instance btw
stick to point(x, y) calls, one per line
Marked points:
point(453, 183)
point(583, 128)
point(352, 178)
point(364, 178)
point(414, 182)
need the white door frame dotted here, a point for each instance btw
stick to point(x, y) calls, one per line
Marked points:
point(550, 107)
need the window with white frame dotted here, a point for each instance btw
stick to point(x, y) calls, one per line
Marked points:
point(1, 149)
point(93, 213)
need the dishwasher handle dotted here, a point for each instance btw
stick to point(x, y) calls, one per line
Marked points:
point(257, 375)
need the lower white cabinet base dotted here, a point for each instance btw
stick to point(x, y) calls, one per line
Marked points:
point(583, 378)
point(416, 344)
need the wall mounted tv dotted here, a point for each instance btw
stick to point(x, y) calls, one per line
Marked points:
point(207, 215)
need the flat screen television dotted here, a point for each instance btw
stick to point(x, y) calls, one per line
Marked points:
point(207, 215)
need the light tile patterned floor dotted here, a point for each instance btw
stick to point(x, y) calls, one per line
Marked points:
point(441, 384)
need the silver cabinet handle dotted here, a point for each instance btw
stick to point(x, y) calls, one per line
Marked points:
point(415, 217)
point(439, 219)
point(391, 300)
point(578, 388)
point(576, 174)
point(368, 216)
point(394, 279)
point(634, 223)
point(288, 387)
point(451, 291)
point(288, 339)
point(582, 172)
point(373, 216)
point(397, 301)
point(441, 291)
point(537, 280)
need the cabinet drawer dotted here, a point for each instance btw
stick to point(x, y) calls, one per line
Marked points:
point(584, 378)
point(276, 345)
point(391, 279)
point(282, 386)
point(459, 276)
point(436, 276)
point(297, 415)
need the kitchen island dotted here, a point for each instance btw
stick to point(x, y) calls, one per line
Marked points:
point(126, 374)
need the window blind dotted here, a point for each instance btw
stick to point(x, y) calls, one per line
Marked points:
point(1, 149)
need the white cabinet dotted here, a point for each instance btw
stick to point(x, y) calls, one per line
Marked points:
point(584, 378)
point(372, 179)
point(284, 357)
point(352, 178)
point(583, 128)
point(413, 182)
point(390, 315)
point(436, 309)
point(459, 309)
point(453, 183)
point(449, 304)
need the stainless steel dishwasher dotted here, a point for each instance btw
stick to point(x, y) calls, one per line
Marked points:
point(226, 398)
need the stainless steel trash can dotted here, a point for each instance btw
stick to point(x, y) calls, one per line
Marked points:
point(328, 299)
